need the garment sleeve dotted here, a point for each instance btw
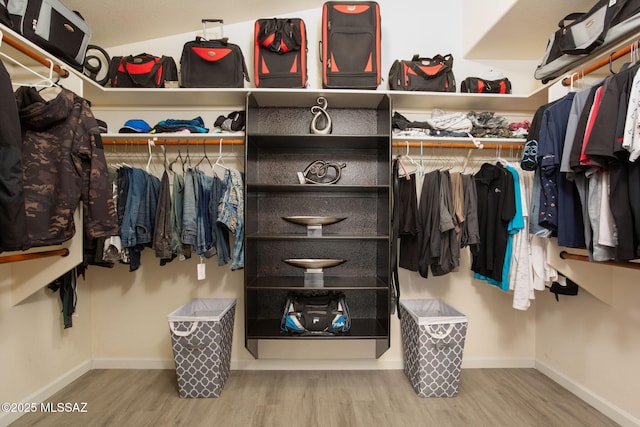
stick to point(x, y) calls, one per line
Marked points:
point(599, 142)
point(99, 213)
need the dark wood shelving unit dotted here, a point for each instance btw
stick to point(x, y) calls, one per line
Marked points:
point(279, 146)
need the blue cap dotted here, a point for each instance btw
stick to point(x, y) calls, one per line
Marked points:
point(135, 126)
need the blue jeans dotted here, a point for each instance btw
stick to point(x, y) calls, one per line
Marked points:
point(189, 208)
point(231, 214)
point(204, 237)
point(139, 214)
point(219, 231)
point(137, 180)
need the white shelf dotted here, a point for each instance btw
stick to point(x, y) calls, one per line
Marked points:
point(469, 101)
point(194, 137)
point(425, 138)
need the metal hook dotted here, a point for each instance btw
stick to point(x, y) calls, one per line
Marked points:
point(611, 64)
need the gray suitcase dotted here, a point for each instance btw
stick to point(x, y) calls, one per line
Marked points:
point(52, 26)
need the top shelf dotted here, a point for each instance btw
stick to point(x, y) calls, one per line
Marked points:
point(337, 98)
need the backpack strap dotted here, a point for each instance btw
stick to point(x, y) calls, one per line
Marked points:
point(146, 78)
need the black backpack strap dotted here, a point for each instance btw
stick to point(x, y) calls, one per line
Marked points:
point(446, 61)
point(147, 78)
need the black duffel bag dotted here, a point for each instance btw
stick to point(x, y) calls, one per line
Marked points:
point(480, 85)
point(142, 70)
point(325, 313)
point(423, 74)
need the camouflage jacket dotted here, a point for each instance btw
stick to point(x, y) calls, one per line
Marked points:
point(63, 163)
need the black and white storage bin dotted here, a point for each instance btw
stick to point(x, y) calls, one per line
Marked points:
point(201, 337)
point(433, 335)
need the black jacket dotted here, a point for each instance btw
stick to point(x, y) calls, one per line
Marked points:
point(63, 162)
point(13, 234)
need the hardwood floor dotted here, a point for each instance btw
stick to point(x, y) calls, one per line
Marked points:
point(486, 397)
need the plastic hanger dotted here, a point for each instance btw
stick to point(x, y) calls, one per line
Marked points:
point(220, 160)
point(500, 159)
point(43, 82)
point(204, 156)
point(407, 172)
point(151, 142)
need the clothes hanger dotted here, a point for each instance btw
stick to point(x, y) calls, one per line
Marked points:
point(204, 157)
point(478, 145)
point(151, 142)
point(187, 159)
point(220, 160)
point(178, 157)
point(611, 64)
point(407, 172)
point(43, 82)
point(500, 159)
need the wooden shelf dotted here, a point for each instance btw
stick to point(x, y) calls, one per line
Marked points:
point(229, 138)
point(331, 283)
point(316, 188)
point(360, 329)
point(323, 237)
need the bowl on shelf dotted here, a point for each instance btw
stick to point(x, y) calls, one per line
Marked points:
point(314, 263)
point(313, 220)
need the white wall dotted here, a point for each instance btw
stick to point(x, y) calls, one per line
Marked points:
point(595, 346)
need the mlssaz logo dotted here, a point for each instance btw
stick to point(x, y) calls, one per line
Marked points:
point(316, 320)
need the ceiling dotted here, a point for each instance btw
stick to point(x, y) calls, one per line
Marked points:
point(117, 22)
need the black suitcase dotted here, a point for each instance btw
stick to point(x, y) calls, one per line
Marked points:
point(212, 63)
point(350, 51)
point(52, 26)
point(280, 53)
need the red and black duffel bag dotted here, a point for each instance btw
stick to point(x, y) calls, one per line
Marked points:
point(143, 70)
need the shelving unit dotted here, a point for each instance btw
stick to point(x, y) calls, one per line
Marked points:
point(278, 146)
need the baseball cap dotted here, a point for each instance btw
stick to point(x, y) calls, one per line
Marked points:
point(135, 126)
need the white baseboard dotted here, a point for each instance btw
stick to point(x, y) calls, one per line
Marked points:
point(132, 364)
point(607, 408)
point(49, 390)
point(498, 363)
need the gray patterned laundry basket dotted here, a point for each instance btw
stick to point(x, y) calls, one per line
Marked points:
point(433, 336)
point(201, 337)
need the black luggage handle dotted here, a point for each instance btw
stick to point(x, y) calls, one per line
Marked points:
point(214, 20)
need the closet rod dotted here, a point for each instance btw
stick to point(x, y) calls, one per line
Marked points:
point(162, 141)
point(33, 54)
point(576, 257)
point(597, 65)
point(34, 255)
point(463, 145)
